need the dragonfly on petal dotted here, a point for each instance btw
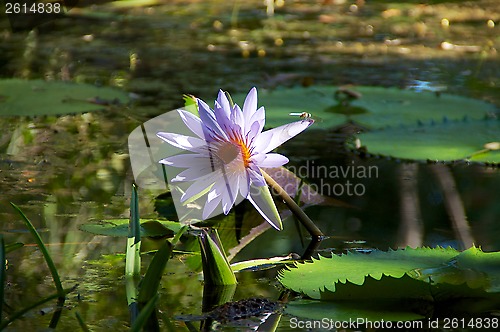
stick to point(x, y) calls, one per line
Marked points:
point(307, 116)
point(226, 152)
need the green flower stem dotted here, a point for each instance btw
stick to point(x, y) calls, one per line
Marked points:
point(296, 210)
point(45, 253)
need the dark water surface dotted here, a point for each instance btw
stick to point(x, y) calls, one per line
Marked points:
point(66, 171)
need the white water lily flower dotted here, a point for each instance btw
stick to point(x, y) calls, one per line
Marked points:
point(226, 153)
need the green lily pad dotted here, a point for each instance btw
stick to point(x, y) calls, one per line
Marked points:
point(37, 97)
point(371, 107)
point(119, 227)
point(473, 267)
point(449, 141)
point(400, 274)
point(328, 273)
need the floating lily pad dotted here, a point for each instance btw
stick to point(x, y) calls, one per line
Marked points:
point(38, 97)
point(400, 274)
point(449, 141)
point(331, 273)
point(371, 107)
point(119, 227)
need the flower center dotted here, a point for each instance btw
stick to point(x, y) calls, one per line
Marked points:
point(229, 151)
point(245, 152)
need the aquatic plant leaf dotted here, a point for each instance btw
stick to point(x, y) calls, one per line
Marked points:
point(216, 268)
point(144, 316)
point(447, 141)
point(133, 252)
point(45, 253)
point(376, 107)
point(349, 310)
point(148, 287)
point(119, 227)
point(410, 273)
point(328, 273)
point(38, 97)
point(261, 264)
point(190, 104)
point(473, 267)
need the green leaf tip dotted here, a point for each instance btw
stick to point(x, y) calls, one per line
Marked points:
point(216, 268)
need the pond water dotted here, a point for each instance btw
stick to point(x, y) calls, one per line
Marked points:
point(70, 170)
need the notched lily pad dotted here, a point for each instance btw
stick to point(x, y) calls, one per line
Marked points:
point(474, 140)
point(38, 97)
point(400, 274)
point(328, 273)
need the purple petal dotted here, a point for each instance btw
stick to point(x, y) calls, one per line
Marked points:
point(257, 158)
point(259, 117)
point(254, 131)
point(193, 173)
point(207, 116)
point(237, 117)
point(224, 103)
point(213, 199)
point(244, 184)
point(183, 160)
point(271, 139)
point(231, 193)
point(222, 111)
point(227, 189)
point(273, 160)
point(256, 177)
point(250, 104)
point(193, 123)
point(198, 186)
point(182, 141)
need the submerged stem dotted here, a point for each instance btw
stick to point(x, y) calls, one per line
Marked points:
point(296, 210)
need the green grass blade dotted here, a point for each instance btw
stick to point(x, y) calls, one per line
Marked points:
point(2, 274)
point(151, 282)
point(45, 252)
point(81, 322)
point(21, 312)
point(144, 315)
point(133, 257)
point(135, 224)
